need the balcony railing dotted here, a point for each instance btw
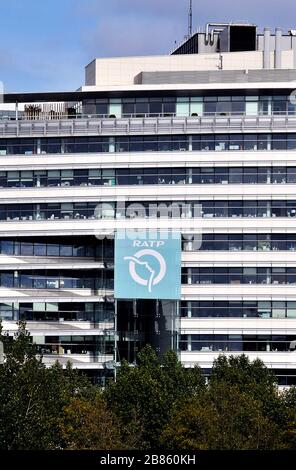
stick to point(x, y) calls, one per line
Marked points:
point(93, 125)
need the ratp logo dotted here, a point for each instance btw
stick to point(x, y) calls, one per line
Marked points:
point(139, 259)
point(147, 266)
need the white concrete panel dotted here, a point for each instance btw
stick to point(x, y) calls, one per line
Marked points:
point(275, 360)
point(281, 326)
point(232, 258)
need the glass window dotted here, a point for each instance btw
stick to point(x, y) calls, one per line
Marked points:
point(150, 176)
point(128, 108)
point(235, 175)
point(279, 142)
point(196, 142)
point(39, 249)
point(155, 107)
point(250, 142)
point(291, 174)
point(142, 107)
point(122, 144)
point(279, 105)
point(250, 208)
point(235, 242)
point(264, 242)
point(239, 106)
point(53, 250)
point(164, 143)
point(150, 143)
point(250, 175)
point(169, 107)
point(27, 249)
point(66, 250)
point(210, 107)
point(7, 247)
point(207, 142)
point(236, 141)
point(279, 208)
point(264, 309)
point(278, 309)
point(102, 109)
point(263, 140)
point(250, 275)
point(291, 141)
point(207, 176)
point(291, 309)
point(235, 276)
point(278, 241)
point(291, 209)
point(221, 209)
point(221, 142)
point(250, 242)
point(278, 275)
point(291, 276)
point(235, 209)
point(7, 280)
point(263, 174)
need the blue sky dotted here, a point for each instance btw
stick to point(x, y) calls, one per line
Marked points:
point(44, 45)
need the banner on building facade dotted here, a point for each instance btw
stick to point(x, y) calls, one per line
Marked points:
point(148, 266)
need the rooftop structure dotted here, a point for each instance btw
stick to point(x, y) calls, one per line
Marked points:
point(213, 127)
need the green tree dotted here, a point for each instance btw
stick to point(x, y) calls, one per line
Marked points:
point(288, 430)
point(224, 418)
point(250, 377)
point(143, 396)
point(88, 424)
point(32, 397)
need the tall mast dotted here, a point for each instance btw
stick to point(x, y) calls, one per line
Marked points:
point(190, 19)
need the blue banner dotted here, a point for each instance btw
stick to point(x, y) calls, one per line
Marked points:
point(148, 266)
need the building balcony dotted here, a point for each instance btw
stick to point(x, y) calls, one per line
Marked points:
point(242, 325)
point(65, 328)
point(87, 126)
point(79, 361)
point(107, 227)
point(273, 360)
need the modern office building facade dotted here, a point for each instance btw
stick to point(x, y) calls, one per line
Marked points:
point(213, 127)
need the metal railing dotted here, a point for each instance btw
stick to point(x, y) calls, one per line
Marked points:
point(47, 116)
point(148, 126)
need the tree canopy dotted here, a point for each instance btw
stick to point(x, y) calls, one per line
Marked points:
point(157, 403)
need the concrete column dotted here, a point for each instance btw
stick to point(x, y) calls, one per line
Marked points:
point(189, 276)
point(189, 345)
point(294, 49)
point(190, 143)
point(112, 144)
point(278, 48)
point(189, 175)
point(189, 309)
point(38, 146)
point(266, 51)
point(269, 105)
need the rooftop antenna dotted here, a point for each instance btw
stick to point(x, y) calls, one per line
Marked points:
point(190, 19)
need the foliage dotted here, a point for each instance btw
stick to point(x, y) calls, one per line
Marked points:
point(32, 397)
point(143, 396)
point(88, 424)
point(156, 404)
point(225, 418)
